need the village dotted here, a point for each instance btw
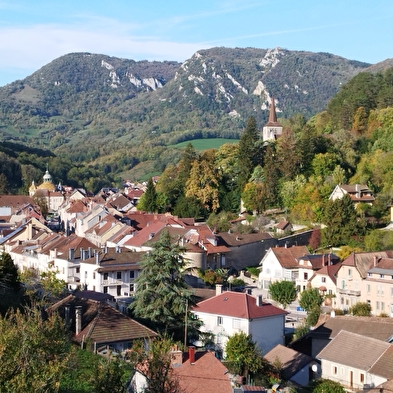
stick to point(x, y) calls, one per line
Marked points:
point(94, 244)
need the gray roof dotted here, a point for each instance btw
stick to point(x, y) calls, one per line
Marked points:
point(354, 350)
point(372, 327)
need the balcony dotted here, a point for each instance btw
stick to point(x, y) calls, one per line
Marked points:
point(348, 292)
point(112, 281)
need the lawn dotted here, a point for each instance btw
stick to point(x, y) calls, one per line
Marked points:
point(204, 144)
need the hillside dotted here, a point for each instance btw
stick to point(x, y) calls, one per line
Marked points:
point(116, 113)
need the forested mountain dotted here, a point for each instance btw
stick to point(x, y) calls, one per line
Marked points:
point(101, 119)
point(85, 106)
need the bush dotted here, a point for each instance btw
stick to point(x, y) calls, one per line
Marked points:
point(253, 271)
point(361, 309)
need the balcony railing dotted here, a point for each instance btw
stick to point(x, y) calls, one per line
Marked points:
point(349, 292)
point(112, 281)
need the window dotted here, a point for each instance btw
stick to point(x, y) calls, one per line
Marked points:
point(377, 305)
point(132, 287)
point(236, 323)
point(349, 272)
point(219, 321)
point(368, 288)
point(118, 290)
point(306, 276)
point(78, 269)
point(94, 275)
point(381, 276)
point(105, 289)
point(105, 276)
point(361, 378)
point(323, 279)
point(334, 369)
point(85, 274)
point(132, 274)
point(118, 275)
point(382, 306)
point(342, 284)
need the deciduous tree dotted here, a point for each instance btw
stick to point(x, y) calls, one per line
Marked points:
point(243, 354)
point(283, 292)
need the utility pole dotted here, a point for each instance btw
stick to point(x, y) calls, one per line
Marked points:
point(185, 326)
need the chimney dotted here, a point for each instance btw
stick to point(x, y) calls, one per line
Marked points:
point(191, 354)
point(218, 289)
point(97, 255)
point(78, 319)
point(259, 301)
point(177, 358)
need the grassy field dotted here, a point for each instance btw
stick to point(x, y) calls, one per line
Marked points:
point(204, 144)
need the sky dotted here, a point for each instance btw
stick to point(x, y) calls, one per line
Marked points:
point(35, 32)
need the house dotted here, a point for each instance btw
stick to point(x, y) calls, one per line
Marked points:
point(296, 367)
point(357, 362)
point(329, 327)
point(202, 248)
point(246, 249)
point(97, 325)
point(378, 287)
point(17, 209)
point(325, 280)
point(112, 271)
point(284, 227)
point(281, 263)
point(103, 230)
point(351, 277)
point(229, 313)
point(359, 193)
point(196, 371)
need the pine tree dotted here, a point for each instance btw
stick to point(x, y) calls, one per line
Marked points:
point(148, 201)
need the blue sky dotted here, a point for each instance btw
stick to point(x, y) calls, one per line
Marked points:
point(35, 32)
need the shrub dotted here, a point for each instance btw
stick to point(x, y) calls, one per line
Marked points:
point(361, 309)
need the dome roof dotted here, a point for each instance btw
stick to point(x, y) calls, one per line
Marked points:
point(47, 186)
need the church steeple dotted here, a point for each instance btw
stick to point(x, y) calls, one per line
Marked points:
point(272, 129)
point(272, 113)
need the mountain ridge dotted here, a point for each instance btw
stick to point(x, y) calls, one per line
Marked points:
point(86, 106)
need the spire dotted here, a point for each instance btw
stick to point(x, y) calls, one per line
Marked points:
point(272, 113)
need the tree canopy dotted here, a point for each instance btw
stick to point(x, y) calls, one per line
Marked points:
point(283, 292)
point(162, 294)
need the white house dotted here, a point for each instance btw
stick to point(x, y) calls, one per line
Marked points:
point(112, 271)
point(229, 313)
point(281, 263)
point(357, 362)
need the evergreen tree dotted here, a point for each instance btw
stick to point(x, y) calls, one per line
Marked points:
point(272, 173)
point(8, 271)
point(148, 201)
point(247, 152)
point(162, 295)
point(341, 222)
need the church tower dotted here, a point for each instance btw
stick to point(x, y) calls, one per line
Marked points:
point(272, 129)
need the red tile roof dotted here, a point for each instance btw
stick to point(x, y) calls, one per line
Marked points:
point(207, 374)
point(238, 305)
point(288, 257)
